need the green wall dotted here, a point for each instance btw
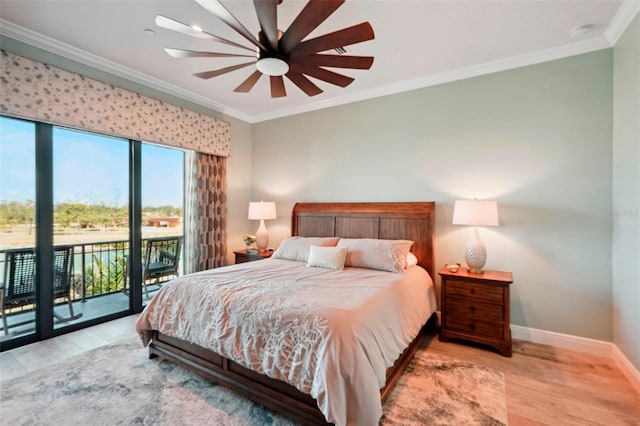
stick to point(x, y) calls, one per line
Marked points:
point(537, 139)
point(626, 193)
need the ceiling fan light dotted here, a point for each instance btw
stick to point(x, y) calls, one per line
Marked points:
point(272, 66)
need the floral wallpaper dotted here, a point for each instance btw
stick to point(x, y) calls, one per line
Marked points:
point(38, 91)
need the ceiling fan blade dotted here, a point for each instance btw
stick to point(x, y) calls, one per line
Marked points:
point(173, 25)
point(277, 86)
point(336, 61)
point(303, 83)
point(181, 53)
point(215, 7)
point(322, 74)
point(313, 14)
point(268, 18)
point(344, 37)
point(248, 84)
point(214, 73)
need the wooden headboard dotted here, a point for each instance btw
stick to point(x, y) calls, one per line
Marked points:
point(390, 221)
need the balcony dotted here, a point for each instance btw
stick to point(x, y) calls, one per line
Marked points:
point(99, 280)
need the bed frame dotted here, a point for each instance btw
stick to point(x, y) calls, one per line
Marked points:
point(411, 221)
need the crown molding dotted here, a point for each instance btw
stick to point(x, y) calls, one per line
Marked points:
point(560, 52)
point(622, 19)
point(627, 11)
point(35, 39)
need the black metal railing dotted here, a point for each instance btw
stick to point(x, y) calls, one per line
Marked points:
point(99, 268)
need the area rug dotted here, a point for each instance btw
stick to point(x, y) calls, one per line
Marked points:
point(118, 384)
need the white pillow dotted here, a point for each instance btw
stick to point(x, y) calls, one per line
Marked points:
point(297, 248)
point(412, 260)
point(327, 257)
point(385, 255)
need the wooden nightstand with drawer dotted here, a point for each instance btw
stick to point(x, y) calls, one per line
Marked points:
point(475, 307)
point(243, 256)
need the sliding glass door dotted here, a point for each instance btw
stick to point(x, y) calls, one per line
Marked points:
point(90, 224)
point(162, 196)
point(90, 227)
point(17, 228)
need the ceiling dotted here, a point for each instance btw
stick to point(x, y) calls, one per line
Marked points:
point(417, 43)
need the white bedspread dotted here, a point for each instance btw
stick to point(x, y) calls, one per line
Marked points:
point(331, 334)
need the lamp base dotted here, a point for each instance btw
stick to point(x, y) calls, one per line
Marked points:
point(475, 254)
point(262, 237)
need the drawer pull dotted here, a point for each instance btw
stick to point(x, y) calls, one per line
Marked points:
point(472, 327)
point(472, 291)
point(472, 309)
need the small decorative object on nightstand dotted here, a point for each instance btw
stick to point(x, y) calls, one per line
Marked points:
point(476, 308)
point(248, 241)
point(251, 255)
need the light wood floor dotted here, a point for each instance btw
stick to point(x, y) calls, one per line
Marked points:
point(545, 385)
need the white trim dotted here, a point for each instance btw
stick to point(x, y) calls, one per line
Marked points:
point(619, 23)
point(35, 39)
point(580, 344)
point(627, 11)
point(565, 341)
point(626, 367)
point(51, 45)
point(567, 50)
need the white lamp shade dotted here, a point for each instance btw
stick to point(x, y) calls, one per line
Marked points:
point(261, 210)
point(475, 213)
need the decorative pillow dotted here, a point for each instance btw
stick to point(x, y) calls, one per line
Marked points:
point(412, 260)
point(327, 257)
point(297, 248)
point(385, 255)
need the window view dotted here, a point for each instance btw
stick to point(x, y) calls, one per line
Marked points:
point(91, 235)
point(90, 224)
point(162, 216)
point(17, 227)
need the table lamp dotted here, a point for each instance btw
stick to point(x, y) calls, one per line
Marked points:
point(262, 211)
point(475, 213)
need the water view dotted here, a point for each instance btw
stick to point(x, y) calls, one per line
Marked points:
point(90, 221)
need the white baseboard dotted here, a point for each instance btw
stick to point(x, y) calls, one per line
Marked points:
point(565, 341)
point(580, 344)
point(626, 367)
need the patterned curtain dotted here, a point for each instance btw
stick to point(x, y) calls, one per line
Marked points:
point(205, 212)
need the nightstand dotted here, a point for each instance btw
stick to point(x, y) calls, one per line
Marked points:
point(244, 256)
point(475, 307)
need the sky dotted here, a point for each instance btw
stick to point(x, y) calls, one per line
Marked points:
point(88, 168)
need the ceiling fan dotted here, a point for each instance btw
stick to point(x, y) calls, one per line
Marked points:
point(278, 53)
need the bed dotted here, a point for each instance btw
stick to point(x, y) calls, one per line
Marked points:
point(260, 376)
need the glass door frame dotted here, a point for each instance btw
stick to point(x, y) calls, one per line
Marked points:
point(44, 247)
